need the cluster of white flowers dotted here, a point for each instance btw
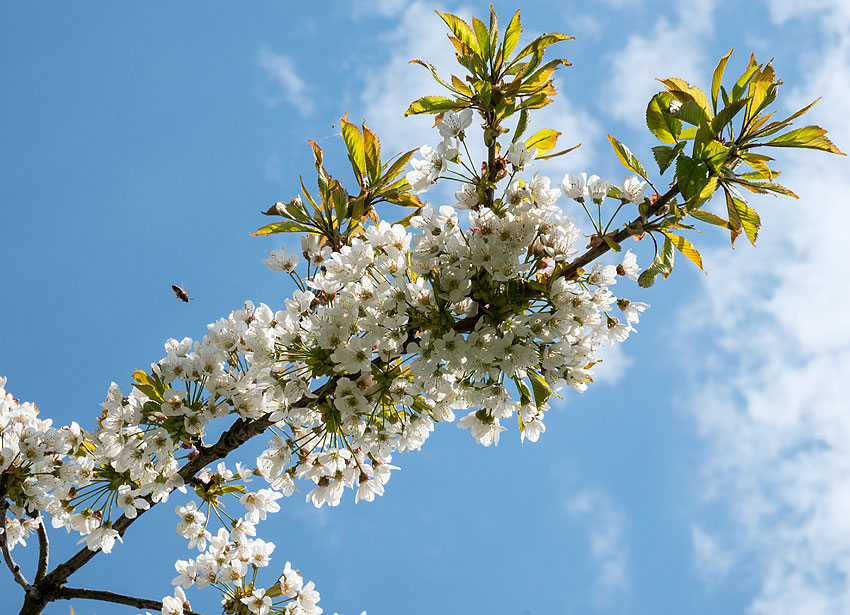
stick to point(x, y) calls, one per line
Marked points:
point(395, 330)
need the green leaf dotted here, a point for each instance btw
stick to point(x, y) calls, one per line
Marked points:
point(710, 218)
point(559, 153)
point(714, 154)
point(661, 264)
point(722, 119)
point(461, 30)
point(512, 33)
point(811, 137)
point(628, 159)
point(522, 124)
point(758, 162)
point(287, 226)
point(742, 216)
point(432, 104)
point(540, 43)
point(664, 126)
point(434, 74)
point(744, 80)
point(544, 140)
point(356, 149)
point(483, 37)
point(691, 175)
point(541, 389)
point(613, 245)
point(691, 113)
point(684, 91)
point(397, 167)
point(372, 150)
point(461, 87)
point(717, 78)
point(665, 154)
point(685, 247)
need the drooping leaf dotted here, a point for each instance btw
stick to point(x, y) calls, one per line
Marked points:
point(544, 140)
point(691, 175)
point(628, 159)
point(541, 389)
point(662, 264)
point(685, 247)
point(742, 217)
point(461, 87)
point(521, 126)
point(665, 154)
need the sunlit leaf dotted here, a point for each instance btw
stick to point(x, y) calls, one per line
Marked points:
point(685, 247)
point(717, 78)
point(544, 140)
point(431, 104)
point(512, 33)
point(811, 137)
point(664, 126)
point(628, 159)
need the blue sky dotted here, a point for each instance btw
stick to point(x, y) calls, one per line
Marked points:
point(707, 470)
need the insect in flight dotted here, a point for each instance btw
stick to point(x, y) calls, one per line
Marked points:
point(181, 294)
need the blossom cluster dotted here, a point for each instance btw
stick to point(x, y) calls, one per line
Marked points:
point(395, 330)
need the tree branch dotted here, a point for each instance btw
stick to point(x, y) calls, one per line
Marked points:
point(67, 593)
point(7, 555)
point(43, 550)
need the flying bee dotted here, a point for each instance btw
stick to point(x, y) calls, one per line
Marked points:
point(181, 294)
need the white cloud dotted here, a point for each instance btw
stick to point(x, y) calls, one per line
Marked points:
point(711, 559)
point(615, 364)
point(775, 409)
point(608, 548)
point(288, 86)
point(669, 50)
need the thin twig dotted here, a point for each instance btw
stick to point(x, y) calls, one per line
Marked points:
point(7, 555)
point(67, 593)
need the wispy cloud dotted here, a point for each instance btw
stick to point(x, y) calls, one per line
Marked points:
point(670, 49)
point(774, 410)
point(606, 531)
point(712, 560)
point(286, 85)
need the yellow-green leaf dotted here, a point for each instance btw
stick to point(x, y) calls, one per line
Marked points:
point(372, 150)
point(659, 121)
point(684, 91)
point(811, 137)
point(432, 104)
point(717, 78)
point(685, 247)
point(461, 30)
point(544, 140)
point(742, 216)
point(354, 142)
point(512, 33)
point(628, 159)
